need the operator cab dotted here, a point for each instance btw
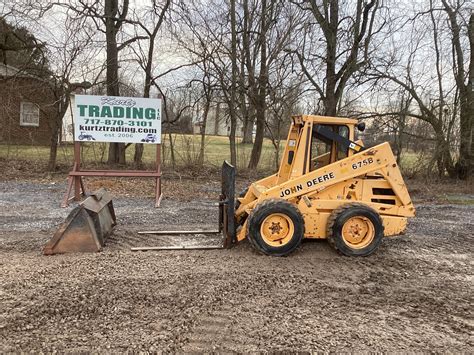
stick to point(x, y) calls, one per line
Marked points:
point(316, 141)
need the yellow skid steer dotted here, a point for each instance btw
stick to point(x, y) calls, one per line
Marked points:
point(328, 186)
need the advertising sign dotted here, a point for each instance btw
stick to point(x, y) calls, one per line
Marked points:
point(117, 119)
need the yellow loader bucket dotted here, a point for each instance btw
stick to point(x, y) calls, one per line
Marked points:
point(86, 227)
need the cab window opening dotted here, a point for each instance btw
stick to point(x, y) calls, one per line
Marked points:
point(321, 149)
point(324, 150)
point(342, 152)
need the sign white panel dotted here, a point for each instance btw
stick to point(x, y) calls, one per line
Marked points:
point(117, 119)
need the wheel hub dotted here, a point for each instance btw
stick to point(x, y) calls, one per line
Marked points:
point(358, 232)
point(277, 229)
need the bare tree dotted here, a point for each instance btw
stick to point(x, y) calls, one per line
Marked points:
point(210, 36)
point(259, 100)
point(193, 37)
point(145, 56)
point(464, 81)
point(233, 85)
point(284, 91)
point(208, 87)
point(113, 19)
point(108, 17)
point(337, 44)
point(69, 55)
point(178, 103)
point(437, 98)
point(267, 29)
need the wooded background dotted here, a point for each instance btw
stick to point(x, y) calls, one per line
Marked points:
point(406, 68)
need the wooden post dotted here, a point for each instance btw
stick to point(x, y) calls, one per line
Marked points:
point(158, 178)
point(77, 179)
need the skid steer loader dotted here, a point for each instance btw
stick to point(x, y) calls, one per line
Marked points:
point(328, 186)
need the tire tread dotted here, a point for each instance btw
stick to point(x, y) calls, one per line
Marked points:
point(262, 206)
point(332, 220)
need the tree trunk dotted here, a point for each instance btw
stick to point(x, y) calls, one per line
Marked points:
point(207, 104)
point(217, 119)
point(399, 139)
point(465, 163)
point(138, 155)
point(246, 105)
point(116, 150)
point(121, 153)
point(444, 160)
point(401, 124)
point(259, 135)
point(278, 142)
point(139, 147)
point(248, 125)
point(56, 128)
point(233, 118)
point(464, 166)
point(247, 118)
point(53, 150)
point(262, 93)
point(330, 100)
point(173, 159)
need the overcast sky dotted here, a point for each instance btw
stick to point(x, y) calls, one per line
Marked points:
point(53, 29)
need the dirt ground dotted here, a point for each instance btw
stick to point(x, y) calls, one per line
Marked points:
point(414, 294)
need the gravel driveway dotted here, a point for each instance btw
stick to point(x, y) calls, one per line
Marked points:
point(414, 294)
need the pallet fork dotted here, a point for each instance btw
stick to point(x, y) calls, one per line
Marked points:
point(226, 225)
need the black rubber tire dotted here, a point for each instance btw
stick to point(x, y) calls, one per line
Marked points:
point(262, 211)
point(337, 219)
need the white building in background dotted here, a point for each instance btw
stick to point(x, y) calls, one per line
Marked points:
point(218, 123)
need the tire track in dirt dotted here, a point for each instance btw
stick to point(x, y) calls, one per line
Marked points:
point(413, 295)
point(213, 332)
point(123, 240)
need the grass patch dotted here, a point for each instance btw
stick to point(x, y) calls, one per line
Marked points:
point(216, 150)
point(460, 199)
